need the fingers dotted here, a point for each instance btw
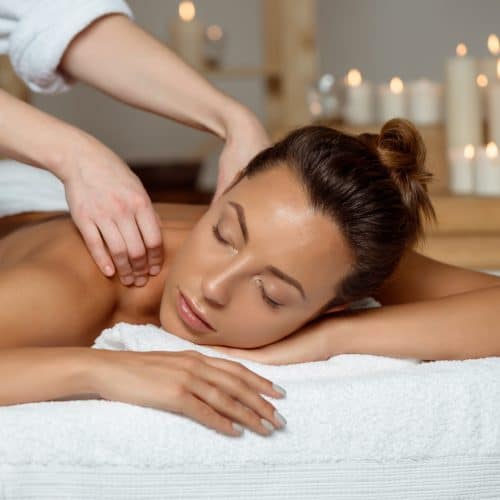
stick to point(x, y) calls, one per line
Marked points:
point(231, 396)
point(118, 250)
point(148, 222)
point(136, 251)
point(95, 244)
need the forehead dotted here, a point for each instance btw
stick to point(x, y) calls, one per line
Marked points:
point(285, 231)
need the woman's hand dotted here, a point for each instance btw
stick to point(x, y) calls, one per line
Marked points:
point(210, 390)
point(316, 341)
point(244, 138)
point(109, 205)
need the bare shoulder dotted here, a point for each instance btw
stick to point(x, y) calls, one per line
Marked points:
point(54, 294)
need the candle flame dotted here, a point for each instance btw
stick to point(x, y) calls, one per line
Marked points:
point(214, 32)
point(491, 150)
point(469, 151)
point(396, 85)
point(461, 49)
point(187, 11)
point(493, 44)
point(482, 80)
point(354, 78)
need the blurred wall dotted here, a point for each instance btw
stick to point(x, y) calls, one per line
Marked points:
point(380, 37)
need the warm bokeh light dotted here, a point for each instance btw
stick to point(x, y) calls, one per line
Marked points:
point(482, 80)
point(461, 49)
point(469, 151)
point(315, 108)
point(396, 85)
point(214, 32)
point(491, 150)
point(354, 78)
point(187, 11)
point(493, 44)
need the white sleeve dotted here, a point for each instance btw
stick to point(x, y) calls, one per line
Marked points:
point(36, 33)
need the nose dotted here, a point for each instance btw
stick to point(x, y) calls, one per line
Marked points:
point(218, 284)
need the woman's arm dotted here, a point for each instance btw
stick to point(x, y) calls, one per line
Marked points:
point(119, 58)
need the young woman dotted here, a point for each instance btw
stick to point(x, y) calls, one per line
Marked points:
point(313, 223)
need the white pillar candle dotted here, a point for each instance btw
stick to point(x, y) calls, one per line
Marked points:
point(487, 72)
point(358, 106)
point(487, 171)
point(425, 102)
point(187, 35)
point(392, 100)
point(494, 108)
point(461, 173)
point(463, 101)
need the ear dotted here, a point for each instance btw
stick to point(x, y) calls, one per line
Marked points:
point(339, 307)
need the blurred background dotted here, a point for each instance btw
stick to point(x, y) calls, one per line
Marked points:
point(350, 64)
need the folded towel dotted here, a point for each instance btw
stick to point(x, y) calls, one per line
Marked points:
point(24, 188)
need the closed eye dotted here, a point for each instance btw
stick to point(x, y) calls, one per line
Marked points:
point(272, 303)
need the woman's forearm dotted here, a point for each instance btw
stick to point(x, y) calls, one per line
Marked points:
point(462, 326)
point(119, 58)
point(32, 374)
point(32, 136)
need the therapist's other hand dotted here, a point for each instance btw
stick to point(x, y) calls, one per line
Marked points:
point(113, 212)
point(245, 137)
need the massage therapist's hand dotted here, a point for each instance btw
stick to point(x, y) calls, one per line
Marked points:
point(113, 212)
point(213, 391)
point(244, 138)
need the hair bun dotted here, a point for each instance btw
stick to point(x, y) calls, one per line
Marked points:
point(401, 149)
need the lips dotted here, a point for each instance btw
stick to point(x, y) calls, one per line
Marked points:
point(191, 315)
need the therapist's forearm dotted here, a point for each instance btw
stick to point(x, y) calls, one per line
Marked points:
point(32, 136)
point(462, 326)
point(122, 60)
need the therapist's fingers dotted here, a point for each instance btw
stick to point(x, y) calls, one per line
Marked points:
point(118, 249)
point(95, 244)
point(149, 225)
point(135, 248)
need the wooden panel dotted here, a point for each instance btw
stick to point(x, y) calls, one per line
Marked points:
point(471, 251)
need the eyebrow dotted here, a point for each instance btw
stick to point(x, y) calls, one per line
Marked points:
point(274, 270)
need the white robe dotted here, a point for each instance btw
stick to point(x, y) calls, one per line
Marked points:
point(36, 33)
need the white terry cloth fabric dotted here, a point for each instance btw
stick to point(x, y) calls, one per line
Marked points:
point(359, 426)
point(36, 33)
point(24, 188)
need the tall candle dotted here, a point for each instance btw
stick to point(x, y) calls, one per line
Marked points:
point(359, 106)
point(487, 171)
point(487, 68)
point(494, 108)
point(461, 162)
point(463, 103)
point(392, 100)
point(187, 35)
point(425, 102)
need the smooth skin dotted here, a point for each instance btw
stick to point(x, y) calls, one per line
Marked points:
point(107, 201)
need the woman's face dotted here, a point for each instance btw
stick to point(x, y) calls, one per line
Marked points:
point(259, 264)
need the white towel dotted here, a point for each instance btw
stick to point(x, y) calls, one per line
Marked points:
point(350, 407)
point(24, 188)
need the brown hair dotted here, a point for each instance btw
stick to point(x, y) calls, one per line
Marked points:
point(373, 185)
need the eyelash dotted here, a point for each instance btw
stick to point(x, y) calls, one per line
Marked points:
point(271, 302)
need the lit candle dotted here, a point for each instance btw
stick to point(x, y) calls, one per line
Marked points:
point(487, 67)
point(463, 100)
point(494, 108)
point(392, 100)
point(425, 102)
point(487, 171)
point(358, 108)
point(461, 161)
point(187, 35)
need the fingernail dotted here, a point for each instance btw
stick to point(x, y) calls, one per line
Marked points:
point(268, 425)
point(279, 389)
point(280, 418)
point(237, 427)
point(154, 270)
point(108, 270)
point(127, 280)
point(140, 281)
